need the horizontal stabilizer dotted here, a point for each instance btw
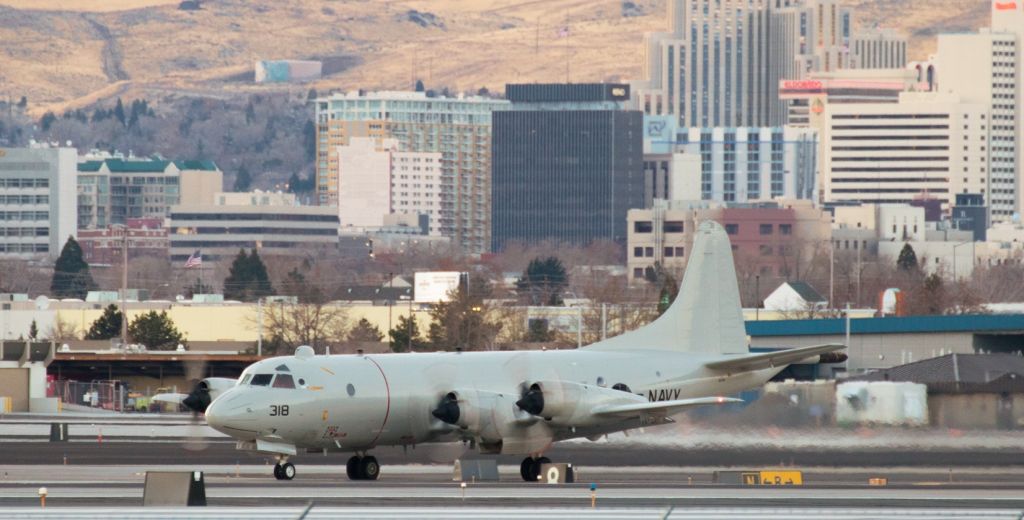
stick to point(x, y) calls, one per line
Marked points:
point(660, 407)
point(780, 358)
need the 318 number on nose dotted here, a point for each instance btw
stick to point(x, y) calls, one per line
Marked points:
point(278, 409)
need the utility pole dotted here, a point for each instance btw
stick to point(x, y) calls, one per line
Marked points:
point(124, 286)
point(259, 326)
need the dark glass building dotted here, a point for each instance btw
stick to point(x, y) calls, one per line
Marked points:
point(567, 164)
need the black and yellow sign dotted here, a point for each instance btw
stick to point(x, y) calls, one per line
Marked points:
point(772, 478)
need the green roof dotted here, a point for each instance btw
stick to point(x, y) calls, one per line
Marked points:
point(90, 166)
point(196, 165)
point(122, 166)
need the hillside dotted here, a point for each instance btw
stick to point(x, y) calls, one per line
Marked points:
point(70, 53)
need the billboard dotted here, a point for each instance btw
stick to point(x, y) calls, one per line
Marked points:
point(434, 286)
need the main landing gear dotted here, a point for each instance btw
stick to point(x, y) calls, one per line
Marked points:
point(284, 470)
point(362, 468)
point(530, 468)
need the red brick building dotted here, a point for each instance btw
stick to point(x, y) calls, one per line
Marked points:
point(146, 237)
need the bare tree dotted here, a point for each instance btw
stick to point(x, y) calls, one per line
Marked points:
point(61, 330)
point(289, 325)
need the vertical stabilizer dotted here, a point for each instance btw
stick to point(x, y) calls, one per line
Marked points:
point(706, 315)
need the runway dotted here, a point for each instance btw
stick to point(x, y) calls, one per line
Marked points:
point(944, 475)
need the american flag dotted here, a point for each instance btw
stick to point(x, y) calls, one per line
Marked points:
point(195, 260)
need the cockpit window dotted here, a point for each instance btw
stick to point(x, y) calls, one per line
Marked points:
point(261, 379)
point(245, 380)
point(284, 381)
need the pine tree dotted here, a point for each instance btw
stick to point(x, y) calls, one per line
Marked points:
point(907, 261)
point(107, 326)
point(543, 281)
point(247, 279)
point(365, 331)
point(71, 276)
point(400, 335)
point(155, 331)
point(243, 181)
point(119, 111)
point(419, 86)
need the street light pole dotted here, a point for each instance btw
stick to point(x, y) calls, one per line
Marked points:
point(124, 286)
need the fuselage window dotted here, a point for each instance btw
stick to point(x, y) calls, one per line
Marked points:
point(284, 381)
point(261, 379)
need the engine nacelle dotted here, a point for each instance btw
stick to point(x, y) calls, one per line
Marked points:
point(565, 403)
point(205, 391)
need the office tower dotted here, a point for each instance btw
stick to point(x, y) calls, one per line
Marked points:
point(926, 145)
point(568, 164)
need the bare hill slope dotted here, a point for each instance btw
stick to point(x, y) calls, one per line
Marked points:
point(67, 53)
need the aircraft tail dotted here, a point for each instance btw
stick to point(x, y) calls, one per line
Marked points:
point(706, 316)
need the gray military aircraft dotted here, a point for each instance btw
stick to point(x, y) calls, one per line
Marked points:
point(518, 402)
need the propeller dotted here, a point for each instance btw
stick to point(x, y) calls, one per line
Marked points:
point(448, 409)
point(532, 400)
point(196, 401)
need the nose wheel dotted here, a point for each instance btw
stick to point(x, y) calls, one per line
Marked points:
point(530, 468)
point(362, 468)
point(284, 471)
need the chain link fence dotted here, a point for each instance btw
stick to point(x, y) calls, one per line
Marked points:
point(108, 395)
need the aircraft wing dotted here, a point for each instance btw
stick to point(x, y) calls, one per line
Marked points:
point(660, 407)
point(772, 359)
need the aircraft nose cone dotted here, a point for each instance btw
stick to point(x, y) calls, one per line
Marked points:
point(230, 414)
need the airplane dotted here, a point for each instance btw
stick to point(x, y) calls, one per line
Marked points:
point(505, 402)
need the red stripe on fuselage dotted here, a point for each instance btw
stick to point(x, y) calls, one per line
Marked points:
point(387, 391)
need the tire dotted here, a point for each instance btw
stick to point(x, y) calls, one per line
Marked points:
point(277, 472)
point(526, 469)
point(352, 469)
point(369, 469)
point(287, 471)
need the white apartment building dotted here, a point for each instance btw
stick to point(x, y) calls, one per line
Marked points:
point(986, 68)
point(416, 186)
point(927, 144)
point(375, 179)
point(38, 211)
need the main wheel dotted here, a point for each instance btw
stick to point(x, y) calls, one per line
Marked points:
point(352, 469)
point(526, 470)
point(288, 471)
point(277, 472)
point(369, 469)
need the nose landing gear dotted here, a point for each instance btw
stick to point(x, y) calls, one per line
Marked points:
point(362, 468)
point(284, 470)
point(530, 468)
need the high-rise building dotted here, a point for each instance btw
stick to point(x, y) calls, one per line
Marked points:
point(37, 201)
point(986, 67)
point(111, 191)
point(457, 128)
point(926, 145)
point(720, 63)
point(878, 49)
point(375, 179)
point(568, 164)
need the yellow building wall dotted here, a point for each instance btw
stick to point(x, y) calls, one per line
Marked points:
point(238, 322)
